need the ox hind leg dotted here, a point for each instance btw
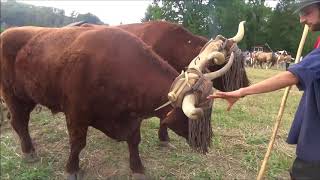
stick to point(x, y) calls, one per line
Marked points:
point(20, 115)
point(77, 125)
point(261, 65)
point(135, 161)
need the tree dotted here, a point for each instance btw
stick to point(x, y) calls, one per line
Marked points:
point(19, 14)
point(88, 17)
point(284, 29)
point(192, 14)
point(154, 12)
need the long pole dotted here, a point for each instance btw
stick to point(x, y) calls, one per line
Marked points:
point(282, 106)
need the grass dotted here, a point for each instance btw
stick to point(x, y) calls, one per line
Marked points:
point(240, 142)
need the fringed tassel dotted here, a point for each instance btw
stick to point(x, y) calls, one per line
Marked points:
point(235, 78)
point(200, 132)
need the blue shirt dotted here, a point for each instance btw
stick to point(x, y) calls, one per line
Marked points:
point(305, 129)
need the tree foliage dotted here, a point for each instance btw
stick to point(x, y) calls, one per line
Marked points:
point(20, 14)
point(277, 27)
point(194, 14)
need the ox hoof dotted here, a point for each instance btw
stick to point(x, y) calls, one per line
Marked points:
point(167, 144)
point(30, 157)
point(75, 176)
point(138, 176)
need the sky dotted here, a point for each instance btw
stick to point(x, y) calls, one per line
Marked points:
point(112, 12)
point(271, 3)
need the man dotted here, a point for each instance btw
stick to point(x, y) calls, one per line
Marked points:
point(305, 129)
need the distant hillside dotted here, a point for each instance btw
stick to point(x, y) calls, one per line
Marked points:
point(20, 14)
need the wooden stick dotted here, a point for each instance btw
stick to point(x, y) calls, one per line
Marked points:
point(282, 106)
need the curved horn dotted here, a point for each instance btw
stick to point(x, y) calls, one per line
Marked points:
point(238, 37)
point(218, 57)
point(189, 109)
point(221, 71)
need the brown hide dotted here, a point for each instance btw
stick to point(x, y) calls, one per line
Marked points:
point(172, 42)
point(284, 58)
point(177, 46)
point(25, 34)
point(265, 57)
point(102, 77)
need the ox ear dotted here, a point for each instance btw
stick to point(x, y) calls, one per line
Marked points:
point(177, 121)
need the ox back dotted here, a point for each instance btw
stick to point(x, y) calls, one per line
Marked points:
point(178, 47)
point(60, 63)
point(105, 77)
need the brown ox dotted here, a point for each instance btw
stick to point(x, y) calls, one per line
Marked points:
point(58, 68)
point(284, 59)
point(268, 58)
point(178, 47)
point(70, 63)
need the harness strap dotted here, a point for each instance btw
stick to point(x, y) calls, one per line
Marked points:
point(175, 93)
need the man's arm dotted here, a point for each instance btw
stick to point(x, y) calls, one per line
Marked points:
point(276, 82)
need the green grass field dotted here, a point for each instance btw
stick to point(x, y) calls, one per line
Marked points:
point(240, 142)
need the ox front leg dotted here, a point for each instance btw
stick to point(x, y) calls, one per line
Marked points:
point(164, 137)
point(163, 133)
point(20, 115)
point(77, 134)
point(135, 161)
point(163, 130)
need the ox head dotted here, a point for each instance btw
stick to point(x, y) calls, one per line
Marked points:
point(190, 89)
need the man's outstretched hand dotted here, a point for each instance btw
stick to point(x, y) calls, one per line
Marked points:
point(231, 97)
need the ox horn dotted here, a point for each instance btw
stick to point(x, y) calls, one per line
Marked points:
point(189, 100)
point(218, 57)
point(221, 71)
point(189, 109)
point(238, 37)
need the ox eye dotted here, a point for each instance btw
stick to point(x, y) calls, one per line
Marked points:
point(189, 42)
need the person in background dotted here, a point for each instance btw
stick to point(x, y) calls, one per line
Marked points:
point(305, 128)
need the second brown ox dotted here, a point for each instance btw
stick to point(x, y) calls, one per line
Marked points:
point(178, 47)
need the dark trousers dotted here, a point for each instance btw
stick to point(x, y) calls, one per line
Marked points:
point(302, 170)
